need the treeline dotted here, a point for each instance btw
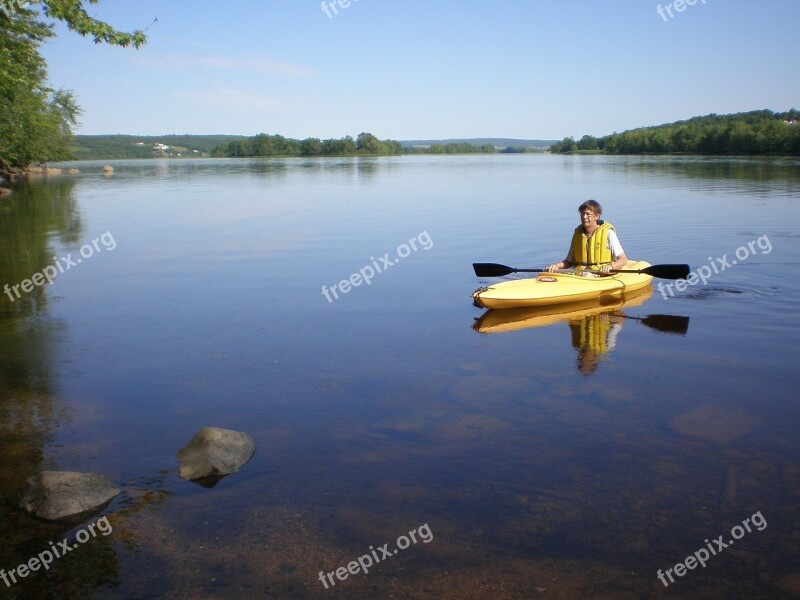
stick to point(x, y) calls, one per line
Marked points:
point(755, 132)
point(86, 147)
point(454, 148)
point(365, 144)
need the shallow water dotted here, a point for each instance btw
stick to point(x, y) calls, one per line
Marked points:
point(547, 459)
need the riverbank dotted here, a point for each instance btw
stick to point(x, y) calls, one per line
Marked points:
point(12, 175)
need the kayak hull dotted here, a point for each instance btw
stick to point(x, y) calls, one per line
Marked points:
point(549, 289)
point(514, 319)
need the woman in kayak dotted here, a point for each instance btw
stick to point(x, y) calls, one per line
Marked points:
point(594, 243)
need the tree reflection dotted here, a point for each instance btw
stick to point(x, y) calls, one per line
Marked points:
point(36, 217)
point(30, 220)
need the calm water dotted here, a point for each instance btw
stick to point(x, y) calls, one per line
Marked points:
point(551, 456)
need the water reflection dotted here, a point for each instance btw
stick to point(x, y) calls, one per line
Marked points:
point(593, 337)
point(594, 326)
point(30, 220)
point(762, 176)
point(35, 217)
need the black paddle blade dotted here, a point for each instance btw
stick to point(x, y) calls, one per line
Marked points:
point(491, 269)
point(667, 271)
point(667, 323)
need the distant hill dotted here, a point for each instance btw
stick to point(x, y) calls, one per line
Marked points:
point(748, 133)
point(496, 142)
point(87, 147)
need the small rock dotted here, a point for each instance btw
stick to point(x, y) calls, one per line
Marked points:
point(716, 422)
point(5, 191)
point(54, 495)
point(214, 452)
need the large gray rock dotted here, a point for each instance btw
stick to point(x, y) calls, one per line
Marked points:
point(54, 495)
point(214, 452)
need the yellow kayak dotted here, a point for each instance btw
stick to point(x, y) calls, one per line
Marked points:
point(514, 319)
point(562, 288)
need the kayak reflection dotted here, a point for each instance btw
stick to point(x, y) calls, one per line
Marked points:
point(594, 326)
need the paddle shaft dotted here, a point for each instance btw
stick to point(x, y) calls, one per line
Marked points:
point(546, 271)
point(660, 271)
point(582, 264)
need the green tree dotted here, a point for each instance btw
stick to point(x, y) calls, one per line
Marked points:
point(393, 147)
point(566, 145)
point(36, 121)
point(348, 145)
point(310, 147)
point(368, 144)
point(587, 142)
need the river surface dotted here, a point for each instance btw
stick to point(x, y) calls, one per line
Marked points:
point(523, 456)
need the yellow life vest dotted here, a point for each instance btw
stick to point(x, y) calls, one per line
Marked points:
point(592, 249)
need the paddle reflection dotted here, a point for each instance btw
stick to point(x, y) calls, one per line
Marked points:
point(594, 327)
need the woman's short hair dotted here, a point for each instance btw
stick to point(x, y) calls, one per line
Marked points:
point(593, 204)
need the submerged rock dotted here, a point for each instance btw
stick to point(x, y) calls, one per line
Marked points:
point(54, 495)
point(716, 422)
point(214, 452)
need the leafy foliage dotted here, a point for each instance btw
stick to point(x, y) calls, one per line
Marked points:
point(77, 19)
point(566, 145)
point(755, 132)
point(36, 121)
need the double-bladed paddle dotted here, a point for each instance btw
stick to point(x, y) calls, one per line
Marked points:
point(659, 271)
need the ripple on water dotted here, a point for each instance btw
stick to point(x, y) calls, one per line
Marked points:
point(713, 292)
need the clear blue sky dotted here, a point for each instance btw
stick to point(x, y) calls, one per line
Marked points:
point(407, 69)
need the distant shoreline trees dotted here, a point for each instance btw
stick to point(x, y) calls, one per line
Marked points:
point(750, 133)
point(366, 144)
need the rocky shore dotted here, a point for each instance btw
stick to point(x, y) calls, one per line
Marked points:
point(11, 175)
